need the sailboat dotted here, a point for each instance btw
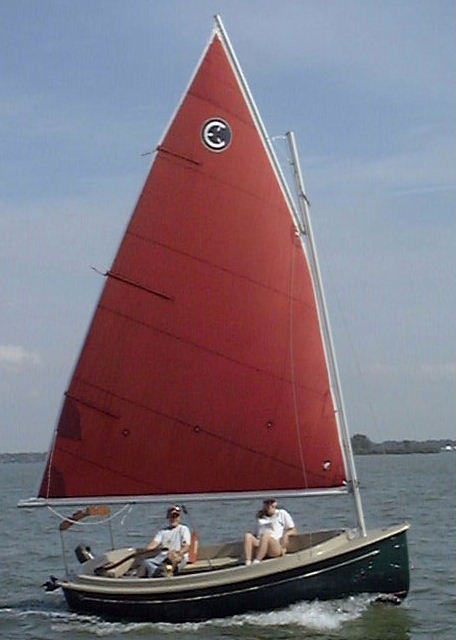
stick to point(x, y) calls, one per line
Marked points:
point(211, 338)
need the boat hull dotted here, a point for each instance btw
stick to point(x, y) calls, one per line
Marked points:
point(379, 565)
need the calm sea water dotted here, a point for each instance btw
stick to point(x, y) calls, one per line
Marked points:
point(419, 489)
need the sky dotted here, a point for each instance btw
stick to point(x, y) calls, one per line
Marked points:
point(87, 87)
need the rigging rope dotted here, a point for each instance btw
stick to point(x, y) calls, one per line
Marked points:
point(125, 507)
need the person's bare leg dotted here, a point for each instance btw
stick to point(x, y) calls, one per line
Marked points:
point(269, 547)
point(250, 541)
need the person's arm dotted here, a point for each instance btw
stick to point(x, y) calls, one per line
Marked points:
point(292, 531)
point(185, 544)
point(185, 548)
point(155, 542)
point(289, 529)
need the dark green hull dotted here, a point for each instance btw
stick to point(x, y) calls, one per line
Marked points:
point(378, 566)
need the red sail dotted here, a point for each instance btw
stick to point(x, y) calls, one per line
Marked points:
point(203, 370)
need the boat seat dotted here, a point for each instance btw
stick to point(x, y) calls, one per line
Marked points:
point(209, 565)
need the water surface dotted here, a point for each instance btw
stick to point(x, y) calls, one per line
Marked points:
point(418, 488)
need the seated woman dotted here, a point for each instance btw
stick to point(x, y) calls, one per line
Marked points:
point(274, 527)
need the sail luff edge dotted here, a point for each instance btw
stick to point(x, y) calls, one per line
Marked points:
point(259, 122)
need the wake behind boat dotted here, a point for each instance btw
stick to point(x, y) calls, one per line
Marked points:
point(212, 332)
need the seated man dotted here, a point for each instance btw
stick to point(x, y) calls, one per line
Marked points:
point(173, 542)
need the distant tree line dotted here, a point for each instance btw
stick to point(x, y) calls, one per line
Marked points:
point(361, 445)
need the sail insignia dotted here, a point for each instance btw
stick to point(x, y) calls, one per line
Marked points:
point(216, 134)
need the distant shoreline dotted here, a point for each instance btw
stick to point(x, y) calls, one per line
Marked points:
point(23, 457)
point(363, 446)
point(360, 443)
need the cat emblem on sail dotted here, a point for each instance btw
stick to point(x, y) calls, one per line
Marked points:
point(216, 134)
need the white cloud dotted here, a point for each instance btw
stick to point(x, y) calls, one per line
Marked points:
point(18, 358)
